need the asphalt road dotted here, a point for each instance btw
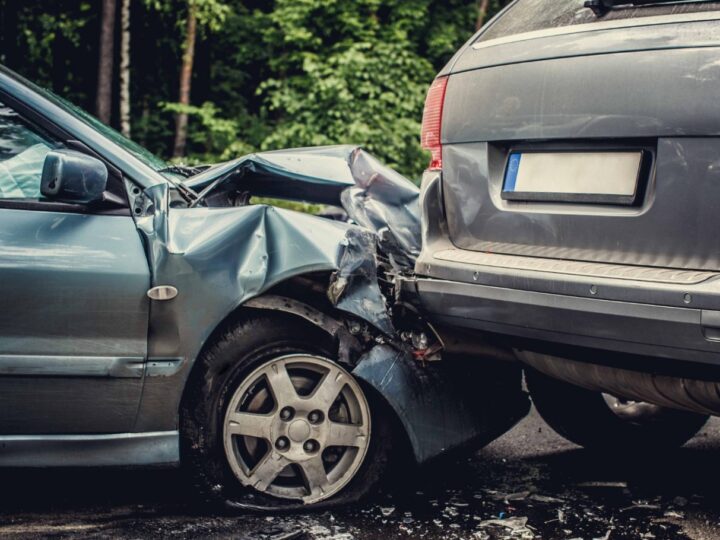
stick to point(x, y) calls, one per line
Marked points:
point(528, 484)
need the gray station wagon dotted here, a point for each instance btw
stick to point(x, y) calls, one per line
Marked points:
point(572, 206)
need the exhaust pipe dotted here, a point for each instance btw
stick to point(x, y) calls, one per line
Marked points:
point(674, 392)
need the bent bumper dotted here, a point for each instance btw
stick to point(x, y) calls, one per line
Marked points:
point(627, 327)
point(639, 311)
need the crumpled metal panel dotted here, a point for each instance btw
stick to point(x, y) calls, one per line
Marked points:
point(218, 258)
point(446, 405)
point(316, 174)
point(373, 195)
point(387, 203)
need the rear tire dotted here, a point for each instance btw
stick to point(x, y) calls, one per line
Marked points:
point(587, 419)
point(255, 441)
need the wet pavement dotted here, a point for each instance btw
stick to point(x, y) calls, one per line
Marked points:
point(528, 484)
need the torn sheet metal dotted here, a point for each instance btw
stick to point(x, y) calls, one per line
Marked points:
point(447, 405)
point(373, 195)
point(385, 202)
point(219, 255)
point(217, 258)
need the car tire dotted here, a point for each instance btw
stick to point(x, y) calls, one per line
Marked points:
point(284, 455)
point(588, 418)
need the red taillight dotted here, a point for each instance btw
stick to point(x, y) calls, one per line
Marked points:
point(432, 121)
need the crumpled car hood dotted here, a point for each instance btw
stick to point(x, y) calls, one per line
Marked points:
point(373, 195)
point(218, 254)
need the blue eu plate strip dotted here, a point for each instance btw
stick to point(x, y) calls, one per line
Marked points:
point(512, 171)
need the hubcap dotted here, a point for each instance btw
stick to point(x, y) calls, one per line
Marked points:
point(298, 427)
point(299, 431)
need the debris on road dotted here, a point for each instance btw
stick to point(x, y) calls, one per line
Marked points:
point(515, 527)
point(452, 502)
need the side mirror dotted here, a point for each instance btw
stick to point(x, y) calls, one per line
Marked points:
point(73, 177)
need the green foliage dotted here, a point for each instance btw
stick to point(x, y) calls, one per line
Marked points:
point(369, 93)
point(211, 14)
point(354, 76)
point(268, 73)
point(289, 205)
point(214, 133)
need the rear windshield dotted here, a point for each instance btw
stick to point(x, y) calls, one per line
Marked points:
point(531, 15)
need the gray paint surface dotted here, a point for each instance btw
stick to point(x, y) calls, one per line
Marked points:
point(645, 83)
point(648, 83)
point(604, 95)
point(220, 257)
point(74, 305)
point(680, 206)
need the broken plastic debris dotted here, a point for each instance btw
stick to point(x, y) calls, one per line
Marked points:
point(517, 527)
point(387, 510)
point(618, 485)
point(546, 499)
point(674, 515)
point(291, 535)
point(641, 506)
point(680, 501)
point(519, 496)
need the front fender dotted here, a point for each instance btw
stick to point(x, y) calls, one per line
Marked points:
point(218, 259)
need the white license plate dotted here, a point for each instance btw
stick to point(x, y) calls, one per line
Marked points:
point(600, 177)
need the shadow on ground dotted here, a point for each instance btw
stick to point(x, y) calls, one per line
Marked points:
point(528, 484)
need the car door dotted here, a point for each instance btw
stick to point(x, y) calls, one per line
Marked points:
point(73, 304)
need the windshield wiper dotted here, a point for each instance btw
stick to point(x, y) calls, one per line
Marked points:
point(184, 170)
point(185, 192)
point(601, 7)
point(190, 196)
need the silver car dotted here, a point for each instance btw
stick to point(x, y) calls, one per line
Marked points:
point(156, 314)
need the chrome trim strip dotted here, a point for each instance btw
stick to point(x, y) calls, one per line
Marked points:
point(163, 367)
point(121, 449)
point(600, 26)
point(72, 366)
point(578, 268)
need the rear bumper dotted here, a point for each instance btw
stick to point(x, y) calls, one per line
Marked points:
point(638, 312)
point(649, 330)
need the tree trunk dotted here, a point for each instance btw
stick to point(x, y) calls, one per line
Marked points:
point(8, 38)
point(125, 68)
point(103, 106)
point(483, 6)
point(181, 120)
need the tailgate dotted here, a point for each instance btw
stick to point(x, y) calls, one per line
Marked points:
point(651, 91)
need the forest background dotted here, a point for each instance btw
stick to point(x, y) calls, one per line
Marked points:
point(208, 80)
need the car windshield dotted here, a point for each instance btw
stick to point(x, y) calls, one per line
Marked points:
point(118, 138)
point(531, 15)
point(135, 149)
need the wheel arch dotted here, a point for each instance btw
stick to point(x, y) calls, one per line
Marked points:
point(301, 298)
point(296, 297)
point(305, 306)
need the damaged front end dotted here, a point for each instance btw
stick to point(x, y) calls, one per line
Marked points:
point(226, 254)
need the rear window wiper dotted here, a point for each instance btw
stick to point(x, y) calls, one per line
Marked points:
point(601, 7)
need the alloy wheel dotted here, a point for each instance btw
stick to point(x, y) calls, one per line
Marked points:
point(297, 427)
